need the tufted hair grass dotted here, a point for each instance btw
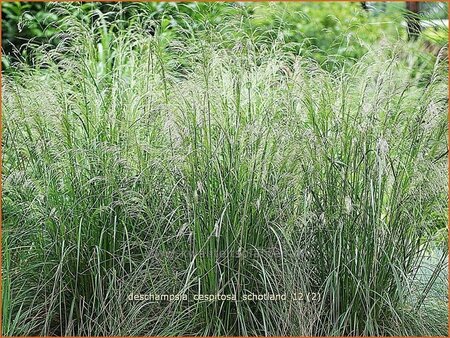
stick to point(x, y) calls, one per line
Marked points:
point(219, 163)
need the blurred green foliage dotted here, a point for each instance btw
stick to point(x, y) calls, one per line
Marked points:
point(437, 36)
point(36, 23)
point(333, 33)
point(22, 23)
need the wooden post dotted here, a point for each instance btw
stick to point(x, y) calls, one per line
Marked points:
point(413, 20)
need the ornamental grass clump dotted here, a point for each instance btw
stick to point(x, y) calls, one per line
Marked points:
point(215, 163)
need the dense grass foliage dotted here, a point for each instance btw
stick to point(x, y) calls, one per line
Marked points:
point(220, 163)
point(335, 33)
